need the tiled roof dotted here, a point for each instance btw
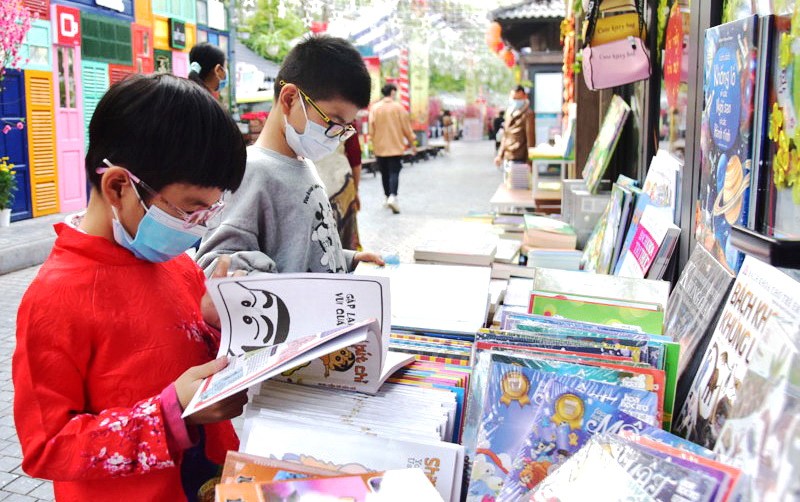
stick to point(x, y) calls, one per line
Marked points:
point(536, 9)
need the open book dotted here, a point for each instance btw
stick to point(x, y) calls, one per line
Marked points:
point(319, 329)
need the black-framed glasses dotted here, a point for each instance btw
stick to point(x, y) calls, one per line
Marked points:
point(190, 219)
point(335, 129)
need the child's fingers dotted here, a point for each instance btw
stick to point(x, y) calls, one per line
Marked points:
point(223, 264)
point(209, 368)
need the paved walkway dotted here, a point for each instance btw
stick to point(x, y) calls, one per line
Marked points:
point(434, 197)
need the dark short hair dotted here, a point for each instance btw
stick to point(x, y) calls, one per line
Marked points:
point(388, 89)
point(208, 57)
point(520, 89)
point(166, 129)
point(326, 68)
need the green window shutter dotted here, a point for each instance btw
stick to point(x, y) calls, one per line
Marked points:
point(105, 39)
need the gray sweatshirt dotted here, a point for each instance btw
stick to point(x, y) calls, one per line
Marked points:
point(279, 220)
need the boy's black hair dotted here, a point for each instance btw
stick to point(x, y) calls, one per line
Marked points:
point(208, 57)
point(166, 129)
point(520, 89)
point(326, 68)
point(388, 89)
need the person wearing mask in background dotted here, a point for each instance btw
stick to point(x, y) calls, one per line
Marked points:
point(341, 174)
point(207, 67)
point(518, 130)
point(390, 130)
point(448, 129)
point(281, 219)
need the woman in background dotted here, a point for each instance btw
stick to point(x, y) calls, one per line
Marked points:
point(207, 67)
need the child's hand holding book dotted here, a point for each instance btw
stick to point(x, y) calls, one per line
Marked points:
point(187, 384)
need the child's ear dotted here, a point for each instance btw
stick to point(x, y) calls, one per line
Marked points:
point(287, 98)
point(113, 185)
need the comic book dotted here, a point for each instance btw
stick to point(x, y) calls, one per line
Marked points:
point(384, 486)
point(692, 312)
point(605, 143)
point(760, 293)
point(567, 416)
point(243, 468)
point(726, 138)
point(660, 191)
point(510, 403)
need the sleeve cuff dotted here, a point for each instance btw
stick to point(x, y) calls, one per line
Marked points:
point(180, 436)
point(349, 257)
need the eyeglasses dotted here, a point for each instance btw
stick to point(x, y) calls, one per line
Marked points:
point(190, 219)
point(335, 129)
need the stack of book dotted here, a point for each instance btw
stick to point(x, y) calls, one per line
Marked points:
point(517, 175)
point(548, 233)
point(461, 251)
point(542, 387)
point(639, 467)
point(564, 259)
point(252, 478)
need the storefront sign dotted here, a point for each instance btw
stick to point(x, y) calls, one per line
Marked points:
point(177, 34)
point(116, 5)
point(419, 70)
point(68, 25)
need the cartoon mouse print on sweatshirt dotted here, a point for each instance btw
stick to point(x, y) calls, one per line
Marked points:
point(324, 232)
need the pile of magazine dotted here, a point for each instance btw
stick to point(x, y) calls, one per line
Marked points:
point(250, 478)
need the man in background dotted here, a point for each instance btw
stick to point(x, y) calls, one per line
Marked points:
point(390, 130)
point(519, 129)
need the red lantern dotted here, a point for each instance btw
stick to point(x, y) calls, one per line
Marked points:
point(494, 37)
point(509, 58)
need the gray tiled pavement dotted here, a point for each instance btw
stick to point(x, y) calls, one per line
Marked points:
point(434, 196)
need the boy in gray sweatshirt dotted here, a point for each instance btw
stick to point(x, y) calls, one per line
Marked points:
point(280, 219)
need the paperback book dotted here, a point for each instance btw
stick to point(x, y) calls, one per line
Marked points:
point(606, 142)
point(727, 136)
point(759, 294)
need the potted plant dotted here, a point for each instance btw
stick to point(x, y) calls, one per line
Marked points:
point(8, 185)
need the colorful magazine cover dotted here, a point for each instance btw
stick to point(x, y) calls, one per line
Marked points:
point(726, 136)
point(511, 400)
point(606, 142)
point(599, 248)
point(567, 416)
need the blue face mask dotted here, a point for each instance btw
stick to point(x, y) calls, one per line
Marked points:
point(160, 236)
point(223, 83)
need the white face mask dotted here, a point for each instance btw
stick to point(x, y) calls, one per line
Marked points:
point(313, 144)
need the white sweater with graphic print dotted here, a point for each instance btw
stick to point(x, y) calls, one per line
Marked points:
point(279, 220)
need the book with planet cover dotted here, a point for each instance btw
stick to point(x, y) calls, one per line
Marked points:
point(726, 142)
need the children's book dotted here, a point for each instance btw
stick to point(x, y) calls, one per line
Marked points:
point(591, 260)
point(256, 366)
point(243, 468)
point(761, 436)
point(727, 136)
point(606, 142)
point(664, 254)
point(778, 200)
point(619, 288)
point(384, 486)
point(648, 317)
point(693, 310)
point(310, 444)
point(650, 236)
point(567, 416)
point(759, 294)
point(661, 185)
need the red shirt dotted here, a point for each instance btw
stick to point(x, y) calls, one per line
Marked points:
point(100, 335)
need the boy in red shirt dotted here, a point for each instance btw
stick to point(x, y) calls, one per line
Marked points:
point(112, 340)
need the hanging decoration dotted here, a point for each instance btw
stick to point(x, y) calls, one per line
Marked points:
point(494, 37)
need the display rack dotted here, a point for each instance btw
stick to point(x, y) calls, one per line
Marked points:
point(782, 253)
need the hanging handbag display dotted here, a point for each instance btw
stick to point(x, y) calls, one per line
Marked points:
point(617, 62)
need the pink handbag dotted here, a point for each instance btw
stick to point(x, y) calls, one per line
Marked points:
point(615, 63)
